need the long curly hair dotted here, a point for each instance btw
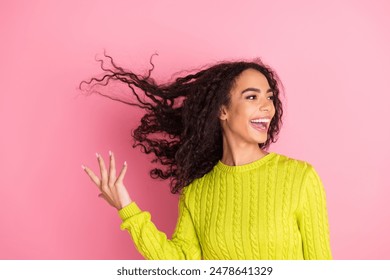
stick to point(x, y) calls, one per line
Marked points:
point(185, 113)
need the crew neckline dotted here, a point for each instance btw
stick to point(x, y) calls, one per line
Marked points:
point(245, 167)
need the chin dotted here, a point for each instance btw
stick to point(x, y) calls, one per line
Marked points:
point(260, 140)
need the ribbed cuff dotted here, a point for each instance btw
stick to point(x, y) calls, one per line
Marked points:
point(129, 211)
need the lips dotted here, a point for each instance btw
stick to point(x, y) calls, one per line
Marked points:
point(261, 123)
point(262, 117)
point(262, 126)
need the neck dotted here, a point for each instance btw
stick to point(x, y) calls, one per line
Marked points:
point(235, 153)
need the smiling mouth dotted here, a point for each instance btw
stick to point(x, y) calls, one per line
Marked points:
point(260, 126)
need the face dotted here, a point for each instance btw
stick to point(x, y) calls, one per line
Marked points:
point(251, 109)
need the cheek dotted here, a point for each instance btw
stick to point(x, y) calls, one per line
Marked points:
point(242, 116)
point(234, 114)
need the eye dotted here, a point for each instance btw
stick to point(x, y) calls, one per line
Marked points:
point(249, 97)
point(271, 97)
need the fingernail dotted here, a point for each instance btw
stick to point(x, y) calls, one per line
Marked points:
point(109, 152)
point(125, 163)
point(83, 167)
point(97, 155)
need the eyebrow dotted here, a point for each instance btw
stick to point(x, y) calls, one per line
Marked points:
point(255, 89)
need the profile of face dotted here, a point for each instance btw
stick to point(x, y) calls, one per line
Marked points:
point(251, 109)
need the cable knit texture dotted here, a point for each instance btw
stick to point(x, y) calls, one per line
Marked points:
point(273, 208)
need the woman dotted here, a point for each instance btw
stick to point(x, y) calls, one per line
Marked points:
point(237, 201)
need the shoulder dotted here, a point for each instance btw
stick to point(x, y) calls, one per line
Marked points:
point(300, 170)
point(287, 161)
point(305, 173)
point(194, 191)
point(190, 191)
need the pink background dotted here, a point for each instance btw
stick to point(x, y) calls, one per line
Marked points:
point(333, 58)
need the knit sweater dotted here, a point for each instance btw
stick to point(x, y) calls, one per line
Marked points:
point(272, 208)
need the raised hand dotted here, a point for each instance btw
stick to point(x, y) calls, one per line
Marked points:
point(111, 187)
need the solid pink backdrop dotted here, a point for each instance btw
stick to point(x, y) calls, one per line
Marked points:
point(333, 58)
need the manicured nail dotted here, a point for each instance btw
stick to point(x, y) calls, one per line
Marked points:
point(110, 153)
point(97, 155)
point(125, 163)
point(83, 167)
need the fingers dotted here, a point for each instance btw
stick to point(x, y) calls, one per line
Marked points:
point(108, 199)
point(122, 173)
point(112, 172)
point(104, 187)
point(116, 185)
point(112, 188)
point(123, 195)
point(103, 170)
point(92, 175)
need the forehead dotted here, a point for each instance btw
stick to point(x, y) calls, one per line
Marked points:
point(251, 77)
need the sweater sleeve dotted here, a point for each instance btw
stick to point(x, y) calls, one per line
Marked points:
point(154, 244)
point(313, 218)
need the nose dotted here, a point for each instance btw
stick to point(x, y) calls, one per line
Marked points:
point(265, 104)
point(264, 108)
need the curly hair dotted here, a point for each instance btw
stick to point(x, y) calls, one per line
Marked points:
point(187, 111)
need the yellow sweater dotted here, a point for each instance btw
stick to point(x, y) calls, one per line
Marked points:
point(273, 208)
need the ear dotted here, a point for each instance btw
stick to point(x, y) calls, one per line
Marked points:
point(223, 113)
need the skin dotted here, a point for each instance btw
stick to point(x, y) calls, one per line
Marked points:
point(110, 186)
point(240, 139)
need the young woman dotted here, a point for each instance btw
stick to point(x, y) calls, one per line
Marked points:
point(237, 201)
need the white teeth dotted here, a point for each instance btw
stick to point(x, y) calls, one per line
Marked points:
point(261, 120)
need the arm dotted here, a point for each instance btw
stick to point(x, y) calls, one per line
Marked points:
point(152, 243)
point(313, 218)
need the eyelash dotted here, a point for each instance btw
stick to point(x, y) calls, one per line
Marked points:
point(272, 97)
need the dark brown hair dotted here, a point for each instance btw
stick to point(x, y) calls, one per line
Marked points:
point(185, 113)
